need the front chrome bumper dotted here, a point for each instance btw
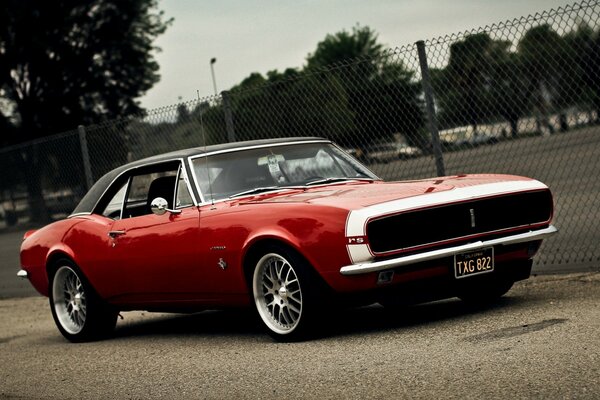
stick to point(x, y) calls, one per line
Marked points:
point(22, 274)
point(375, 266)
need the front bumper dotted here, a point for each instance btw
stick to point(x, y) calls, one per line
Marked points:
point(363, 268)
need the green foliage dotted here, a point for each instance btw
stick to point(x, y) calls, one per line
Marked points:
point(582, 61)
point(292, 103)
point(463, 86)
point(67, 62)
point(485, 80)
point(348, 47)
point(350, 91)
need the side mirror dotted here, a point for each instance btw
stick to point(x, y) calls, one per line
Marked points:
point(159, 206)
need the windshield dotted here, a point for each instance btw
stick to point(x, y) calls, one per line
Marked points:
point(270, 168)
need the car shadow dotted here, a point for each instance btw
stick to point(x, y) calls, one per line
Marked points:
point(341, 322)
point(378, 319)
point(207, 323)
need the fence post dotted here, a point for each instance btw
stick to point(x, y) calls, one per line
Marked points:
point(228, 116)
point(431, 117)
point(85, 155)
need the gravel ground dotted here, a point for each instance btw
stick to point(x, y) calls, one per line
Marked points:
point(540, 341)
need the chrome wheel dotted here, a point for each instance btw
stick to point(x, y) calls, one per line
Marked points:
point(277, 294)
point(69, 299)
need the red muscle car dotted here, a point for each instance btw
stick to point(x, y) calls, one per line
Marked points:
point(288, 226)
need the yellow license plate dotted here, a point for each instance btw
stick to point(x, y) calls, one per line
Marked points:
point(474, 262)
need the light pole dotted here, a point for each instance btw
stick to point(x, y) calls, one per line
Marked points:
point(212, 71)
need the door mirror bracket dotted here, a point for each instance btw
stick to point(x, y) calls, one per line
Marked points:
point(159, 206)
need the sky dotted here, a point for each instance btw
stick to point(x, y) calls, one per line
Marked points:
point(248, 36)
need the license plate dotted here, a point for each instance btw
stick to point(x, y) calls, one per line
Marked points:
point(474, 263)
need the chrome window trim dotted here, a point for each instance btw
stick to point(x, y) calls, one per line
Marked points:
point(79, 214)
point(374, 266)
point(196, 185)
point(187, 184)
point(354, 159)
point(124, 201)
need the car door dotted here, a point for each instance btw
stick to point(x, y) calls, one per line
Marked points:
point(157, 254)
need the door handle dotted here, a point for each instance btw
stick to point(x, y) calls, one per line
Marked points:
point(114, 234)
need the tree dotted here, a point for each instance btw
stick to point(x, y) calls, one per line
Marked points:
point(348, 47)
point(382, 96)
point(67, 62)
point(581, 61)
point(541, 51)
point(463, 86)
point(291, 103)
point(510, 95)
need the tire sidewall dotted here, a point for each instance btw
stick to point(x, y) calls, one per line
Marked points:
point(309, 291)
point(100, 318)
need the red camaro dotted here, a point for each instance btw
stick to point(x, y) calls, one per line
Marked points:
point(289, 226)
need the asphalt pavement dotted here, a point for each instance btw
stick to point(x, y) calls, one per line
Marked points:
point(10, 285)
point(540, 341)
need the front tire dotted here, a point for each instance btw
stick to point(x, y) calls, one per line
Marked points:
point(79, 313)
point(285, 294)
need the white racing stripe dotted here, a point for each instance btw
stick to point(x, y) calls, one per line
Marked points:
point(356, 224)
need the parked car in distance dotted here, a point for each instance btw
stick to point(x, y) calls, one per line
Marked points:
point(477, 140)
point(406, 151)
point(380, 153)
point(293, 228)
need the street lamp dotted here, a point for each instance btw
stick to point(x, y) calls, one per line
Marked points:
point(212, 71)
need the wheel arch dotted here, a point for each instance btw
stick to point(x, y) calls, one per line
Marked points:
point(47, 267)
point(258, 246)
point(56, 254)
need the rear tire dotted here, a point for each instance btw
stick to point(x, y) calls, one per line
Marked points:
point(79, 313)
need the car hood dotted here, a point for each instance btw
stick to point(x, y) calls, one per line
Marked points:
point(355, 195)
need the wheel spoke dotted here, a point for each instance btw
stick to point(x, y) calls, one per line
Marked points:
point(284, 313)
point(293, 297)
point(279, 269)
point(293, 308)
point(271, 303)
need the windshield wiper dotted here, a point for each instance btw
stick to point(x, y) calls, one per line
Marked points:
point(255, 190)
point(339, 179)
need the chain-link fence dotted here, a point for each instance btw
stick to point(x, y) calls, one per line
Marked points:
point(520, 97)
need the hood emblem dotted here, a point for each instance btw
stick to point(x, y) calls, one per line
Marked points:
point(472, 212)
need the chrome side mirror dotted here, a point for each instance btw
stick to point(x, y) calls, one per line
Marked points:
point(159, 206)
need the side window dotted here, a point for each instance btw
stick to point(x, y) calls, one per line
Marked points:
point(183, 198)
point(146, 187)
point(114, 206)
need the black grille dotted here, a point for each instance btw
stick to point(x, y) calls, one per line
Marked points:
point(447, 222)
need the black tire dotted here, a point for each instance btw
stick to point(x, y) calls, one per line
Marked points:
point(79, 313)
point(287, 294)
point(485, 292)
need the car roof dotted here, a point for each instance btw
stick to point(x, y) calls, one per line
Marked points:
point(89, 201)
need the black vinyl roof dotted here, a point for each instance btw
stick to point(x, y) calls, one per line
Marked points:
point(89, 201)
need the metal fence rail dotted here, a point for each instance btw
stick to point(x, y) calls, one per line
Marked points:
point(519, 97)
